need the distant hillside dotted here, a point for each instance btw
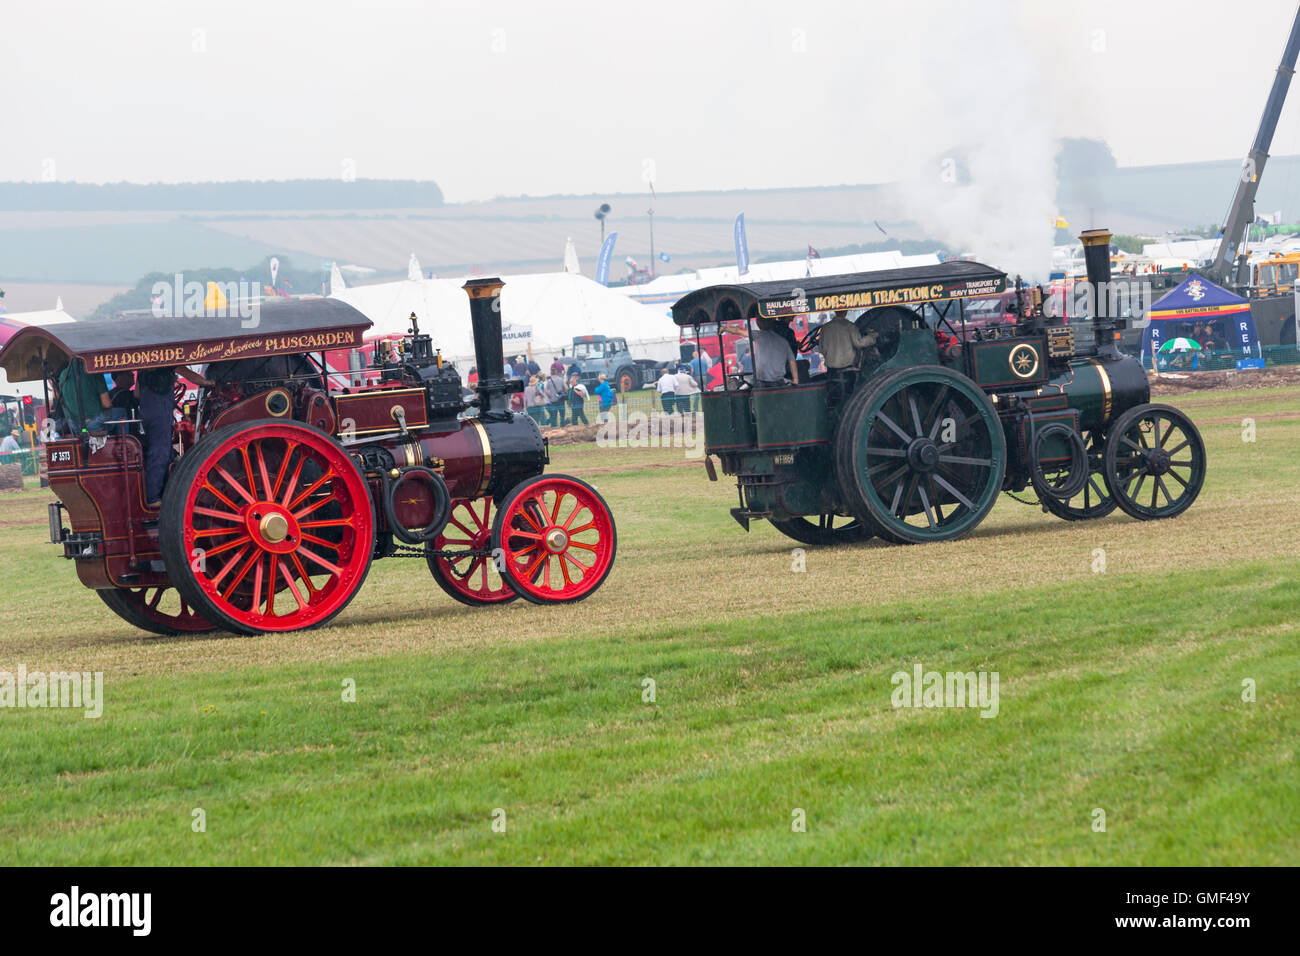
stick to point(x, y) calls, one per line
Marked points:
point(269, 194)
point(75, 233)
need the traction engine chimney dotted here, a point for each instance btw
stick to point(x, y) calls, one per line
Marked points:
point(485, 317)
point(1096, 258)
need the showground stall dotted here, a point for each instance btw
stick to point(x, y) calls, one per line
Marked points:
point(1197, 303)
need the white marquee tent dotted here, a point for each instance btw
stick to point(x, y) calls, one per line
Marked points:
point(539, 312)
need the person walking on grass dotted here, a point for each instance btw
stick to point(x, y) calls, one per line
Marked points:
point(688, 392)
point(604, 395)
point(577, 395)
point(555, 400)
point(667, 388)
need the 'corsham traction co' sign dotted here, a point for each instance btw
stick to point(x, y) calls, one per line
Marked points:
point(873, 298)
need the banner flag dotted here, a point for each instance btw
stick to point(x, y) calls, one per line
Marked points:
point(742, 245)
point(602, 261)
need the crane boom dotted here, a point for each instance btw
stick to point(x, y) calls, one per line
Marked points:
point(1242, 211)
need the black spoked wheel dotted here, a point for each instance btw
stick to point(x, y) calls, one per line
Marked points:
point(1155, 462)
point(158, 610)
point(822, 529)
point(920, 455)
point(1094, 500)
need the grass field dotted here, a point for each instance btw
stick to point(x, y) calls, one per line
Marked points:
point(1120, 690)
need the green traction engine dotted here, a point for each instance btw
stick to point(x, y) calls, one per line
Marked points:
point(939, 415)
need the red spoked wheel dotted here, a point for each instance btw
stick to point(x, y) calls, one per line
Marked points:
point(159, 610)
point(267, 526)
point(470, 578)
point(557, 539)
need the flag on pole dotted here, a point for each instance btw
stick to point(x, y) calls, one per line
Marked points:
point(665, 257)
point(275, 270)
point(742, 245)
point(813, 253)
point(602, 261)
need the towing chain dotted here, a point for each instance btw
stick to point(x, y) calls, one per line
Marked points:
point(1022, 500)
point(408, 551)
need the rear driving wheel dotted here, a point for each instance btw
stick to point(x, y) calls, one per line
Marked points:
point(473, 579)
point(822, 529)
point(159, 610)
point(920, 455)
point(557, 539)
point(267, 526)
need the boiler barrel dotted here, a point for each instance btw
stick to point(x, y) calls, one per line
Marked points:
point(480, 457)
point(1102, 389)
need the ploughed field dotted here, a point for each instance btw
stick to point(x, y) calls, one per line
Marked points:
point(1120, 690)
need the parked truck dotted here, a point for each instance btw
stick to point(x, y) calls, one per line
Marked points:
point(593, 354)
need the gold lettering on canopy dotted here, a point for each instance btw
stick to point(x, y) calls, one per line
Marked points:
point(220, 350)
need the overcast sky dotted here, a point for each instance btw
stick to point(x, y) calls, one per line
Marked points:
point(503, 98)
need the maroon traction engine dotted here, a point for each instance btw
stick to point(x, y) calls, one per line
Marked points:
point(270, 521)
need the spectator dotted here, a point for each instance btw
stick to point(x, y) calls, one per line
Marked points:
point(700, 364)
point(605, 395)
point(667, 388)
point(10, 443)
point(535, 399)
point(534, 368)
point(557, 367)
point(577, 396)
point(555, 399)
point(688, 392)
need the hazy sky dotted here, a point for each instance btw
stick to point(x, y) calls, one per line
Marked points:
point(503, 98)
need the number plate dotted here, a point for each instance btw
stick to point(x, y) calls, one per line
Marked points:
point(785, 458)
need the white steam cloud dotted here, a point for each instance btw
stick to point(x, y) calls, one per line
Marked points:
point(979, 168)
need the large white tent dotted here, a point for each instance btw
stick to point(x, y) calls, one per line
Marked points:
point(10, 322)
point(539, 313)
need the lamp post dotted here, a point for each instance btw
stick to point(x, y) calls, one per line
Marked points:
point(651, 213)
point(601, 212)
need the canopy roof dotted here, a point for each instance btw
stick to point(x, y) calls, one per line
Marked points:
point(1197, 298)
point(861, 290)
point(282, 327)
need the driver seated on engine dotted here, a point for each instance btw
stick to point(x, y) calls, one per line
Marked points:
point(773, 357)
point(840, 343)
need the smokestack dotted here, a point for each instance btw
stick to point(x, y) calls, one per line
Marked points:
point(485, 317)
point(1096, 257)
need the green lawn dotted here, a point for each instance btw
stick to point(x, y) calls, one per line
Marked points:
point(1119, 691)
